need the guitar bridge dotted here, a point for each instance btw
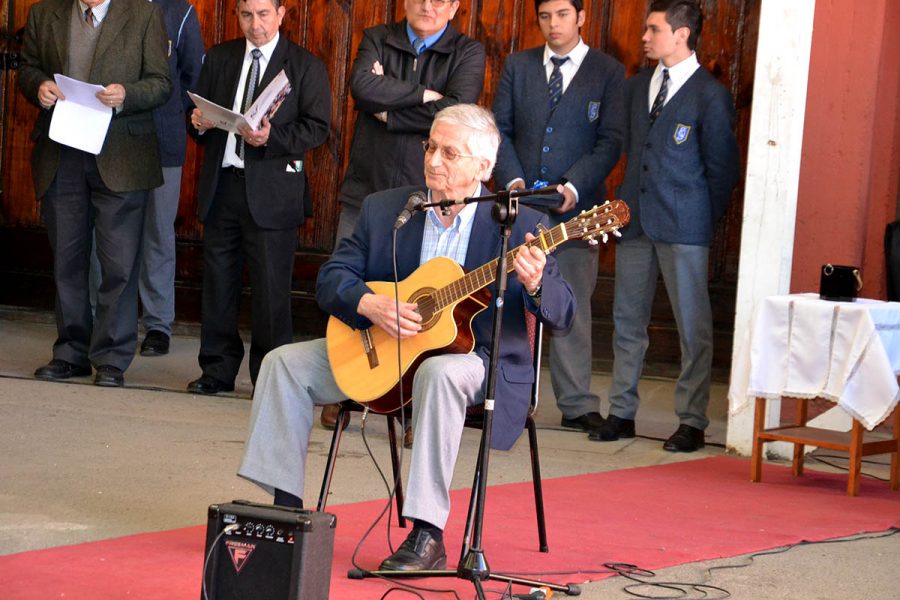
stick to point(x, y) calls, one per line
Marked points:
point(369, 347)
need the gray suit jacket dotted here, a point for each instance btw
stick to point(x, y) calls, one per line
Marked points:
point(131, 51)
point(580, 141)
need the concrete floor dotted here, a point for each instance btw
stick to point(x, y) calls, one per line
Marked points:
point(80, 463)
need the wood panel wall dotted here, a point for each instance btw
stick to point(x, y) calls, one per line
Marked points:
point(331, 29)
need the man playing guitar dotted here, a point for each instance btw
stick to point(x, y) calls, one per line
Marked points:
point(294, 379)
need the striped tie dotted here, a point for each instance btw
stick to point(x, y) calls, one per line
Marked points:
point(555, 84)
point(249, 90)
point(660, 100)
point(89, 17)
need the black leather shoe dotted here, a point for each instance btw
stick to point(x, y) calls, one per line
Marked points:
point(419, 552)
point(613, 429)
point(208, 385)
point(587, 422)
point(109, 376)
point(155, 343)
point(685, 439)
point(58, 369)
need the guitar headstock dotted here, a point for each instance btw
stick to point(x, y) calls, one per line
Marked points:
point(599, 222)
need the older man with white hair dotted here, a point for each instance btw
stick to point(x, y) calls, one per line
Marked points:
point(459, 155)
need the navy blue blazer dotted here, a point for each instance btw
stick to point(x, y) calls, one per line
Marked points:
point(185, 50)
point(366, 256)
point(580, 141)
point(682, 170)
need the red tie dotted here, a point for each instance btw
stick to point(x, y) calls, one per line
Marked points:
point(89, 17)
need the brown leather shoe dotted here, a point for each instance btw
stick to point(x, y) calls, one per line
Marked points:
point(329, 416)
point(408, 437)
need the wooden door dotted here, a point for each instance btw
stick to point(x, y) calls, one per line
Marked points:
point(331, 29)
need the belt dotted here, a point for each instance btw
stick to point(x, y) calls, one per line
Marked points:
point(237, 172)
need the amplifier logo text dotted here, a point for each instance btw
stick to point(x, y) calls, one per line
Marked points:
point(240, 553)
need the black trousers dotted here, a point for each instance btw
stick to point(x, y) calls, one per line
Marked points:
point(77, 204)
point(232, 239)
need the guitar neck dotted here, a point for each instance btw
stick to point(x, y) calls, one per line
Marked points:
point(486, 274)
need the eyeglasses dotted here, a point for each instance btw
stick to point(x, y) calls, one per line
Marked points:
point(448, 153)
point(436, 3)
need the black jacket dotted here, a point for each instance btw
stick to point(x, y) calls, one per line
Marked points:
point(275, 173)
point(384, 156)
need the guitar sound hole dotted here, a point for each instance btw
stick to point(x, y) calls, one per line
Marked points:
point(427, 307)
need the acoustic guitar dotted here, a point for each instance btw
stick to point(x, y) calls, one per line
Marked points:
point(365, 363)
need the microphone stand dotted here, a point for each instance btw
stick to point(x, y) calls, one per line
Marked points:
point(473, 565)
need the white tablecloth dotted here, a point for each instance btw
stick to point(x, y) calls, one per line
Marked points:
point(803, 347)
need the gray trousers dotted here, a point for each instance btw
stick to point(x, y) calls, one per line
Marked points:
point(295, 378)
point(346, 222)
point(157, 282)
point(684, 270)
point(571, 354)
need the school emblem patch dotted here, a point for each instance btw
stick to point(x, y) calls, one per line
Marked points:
point(593, 111)
point(682, 132)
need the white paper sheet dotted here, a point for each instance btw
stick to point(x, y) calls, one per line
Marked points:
point(81, 120)
point(268, 101)
point(221, 116)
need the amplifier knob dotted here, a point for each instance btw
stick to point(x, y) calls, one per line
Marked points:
point(270, 530)
point(259, 528)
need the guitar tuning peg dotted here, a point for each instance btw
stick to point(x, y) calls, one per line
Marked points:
point(617, 233)
point(592, 241)
point(605, 238)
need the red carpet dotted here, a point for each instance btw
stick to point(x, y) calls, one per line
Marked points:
point(654, 517)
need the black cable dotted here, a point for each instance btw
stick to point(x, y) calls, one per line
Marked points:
point(212, 547)
point(864, 535)
point(822, 460)
point(681, 590)
point(634, 572)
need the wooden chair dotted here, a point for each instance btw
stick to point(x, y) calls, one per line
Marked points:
point(474, 419)
point(856, 443)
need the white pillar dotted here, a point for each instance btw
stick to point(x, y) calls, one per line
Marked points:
point(770, 190)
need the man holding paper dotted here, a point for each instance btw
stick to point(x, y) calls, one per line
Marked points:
point(252, 189)
point(120, 45)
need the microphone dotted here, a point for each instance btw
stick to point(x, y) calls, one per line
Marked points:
point(415, 202)
point(517, 193)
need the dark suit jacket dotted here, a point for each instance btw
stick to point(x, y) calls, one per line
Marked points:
point(682, 170)
point(275, 192)
point(580, 141)
point(131, 50)
point(388, 155)
point(366, 256)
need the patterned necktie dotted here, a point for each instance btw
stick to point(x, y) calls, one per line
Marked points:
point(89, 16)
point(555, 84)
point(660, 100)
point(249, 90)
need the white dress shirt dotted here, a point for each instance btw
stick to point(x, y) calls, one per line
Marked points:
point(678, 75)
point(231, 159)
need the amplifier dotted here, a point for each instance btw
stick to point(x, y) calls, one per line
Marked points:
point(258, 551)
